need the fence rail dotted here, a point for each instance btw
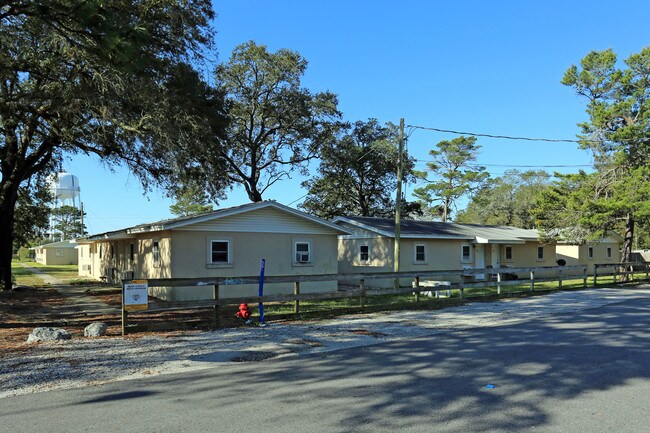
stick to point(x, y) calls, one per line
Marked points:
point(496, 278)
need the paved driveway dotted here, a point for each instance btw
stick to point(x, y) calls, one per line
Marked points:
point(584, 371)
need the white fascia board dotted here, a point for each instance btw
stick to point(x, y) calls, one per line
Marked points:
point(110, 236)
point(350, 237)
point(480, 240)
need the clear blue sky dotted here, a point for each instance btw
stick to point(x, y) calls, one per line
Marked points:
point(487, 67)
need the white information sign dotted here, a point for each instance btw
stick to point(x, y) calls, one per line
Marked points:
point(135, 295)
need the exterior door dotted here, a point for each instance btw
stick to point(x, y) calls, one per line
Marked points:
point(496, 256)
point(479, 259)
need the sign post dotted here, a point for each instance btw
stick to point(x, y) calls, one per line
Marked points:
point(261, 289)
point(135, 297)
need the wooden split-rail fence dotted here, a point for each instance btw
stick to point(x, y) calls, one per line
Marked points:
point(465, 279)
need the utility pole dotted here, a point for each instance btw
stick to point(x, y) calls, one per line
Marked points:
point(398, 200)
point(81, 206)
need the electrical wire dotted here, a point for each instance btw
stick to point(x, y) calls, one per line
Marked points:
point(510, 137)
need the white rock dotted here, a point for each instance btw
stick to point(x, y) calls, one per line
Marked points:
point(96, 329)
point(48, 334)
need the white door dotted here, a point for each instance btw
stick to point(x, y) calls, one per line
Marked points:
point(496, 256)
point(479, 259)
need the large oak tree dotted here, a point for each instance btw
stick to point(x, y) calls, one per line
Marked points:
point(357, 174)
point(275, 126)
point(108, 78)
point(509, 200)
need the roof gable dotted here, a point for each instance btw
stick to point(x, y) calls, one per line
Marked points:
point(264, 220)
point(266, 214)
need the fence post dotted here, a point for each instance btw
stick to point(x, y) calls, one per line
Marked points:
point(296, 291)
point(532, 281)
point(595, 275)
point(461, 288)
point(584, 277)
point(614, 274)
point(217, 319)
point(417, 289)
point(362, 288)
point(125, 315)
point(498, 283)
point(559, 276)
point(646, 271)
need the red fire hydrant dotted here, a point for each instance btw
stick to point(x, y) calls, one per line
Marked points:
point(244, 312)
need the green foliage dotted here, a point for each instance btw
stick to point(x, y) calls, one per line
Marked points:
point(110, 78)
point(25, 254)
point(31, 212)
point(67, 221)
point(455, 175)
point(618, 134)
point(506, 200)
point(190, 201)
point(275, 126)
point(358, 174)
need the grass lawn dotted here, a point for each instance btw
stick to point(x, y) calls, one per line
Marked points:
point(407, 301)
point(26, 277)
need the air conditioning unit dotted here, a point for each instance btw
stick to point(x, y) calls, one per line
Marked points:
point(303, 258)
point(85, 268)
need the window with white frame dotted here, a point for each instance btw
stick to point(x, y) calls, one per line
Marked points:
point(466, 253)
point(155, 253)
point(101, 251)
point(609, 252)
point(219, 251)
point(302, 252)
point(508, 253)
point(590, 253)
point(420, 253)
point(131, 252)
point(540, 252)
point(364, 253)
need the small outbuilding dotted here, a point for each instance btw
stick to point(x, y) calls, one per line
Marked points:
point(56, 253)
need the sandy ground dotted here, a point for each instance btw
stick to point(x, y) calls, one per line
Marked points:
point(90, 361)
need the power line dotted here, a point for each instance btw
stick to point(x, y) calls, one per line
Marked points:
point(509, 137)
point(522, 166)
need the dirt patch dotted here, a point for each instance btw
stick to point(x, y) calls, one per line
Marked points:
point(253, 356)
point(366, 332)
point(23, 310)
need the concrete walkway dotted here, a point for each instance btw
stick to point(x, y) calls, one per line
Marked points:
point(89, 305)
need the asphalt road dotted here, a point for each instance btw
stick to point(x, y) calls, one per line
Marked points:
point(584, 372)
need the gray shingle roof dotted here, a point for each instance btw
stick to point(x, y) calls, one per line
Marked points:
point(437, 229)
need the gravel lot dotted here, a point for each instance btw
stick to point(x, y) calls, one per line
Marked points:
point(85, 361)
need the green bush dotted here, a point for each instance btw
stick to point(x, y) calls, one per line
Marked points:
point(25, 254)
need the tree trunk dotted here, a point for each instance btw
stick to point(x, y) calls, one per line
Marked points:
point(445, 210)
point(254, 195)
point(627, 242)
point(7, 206)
